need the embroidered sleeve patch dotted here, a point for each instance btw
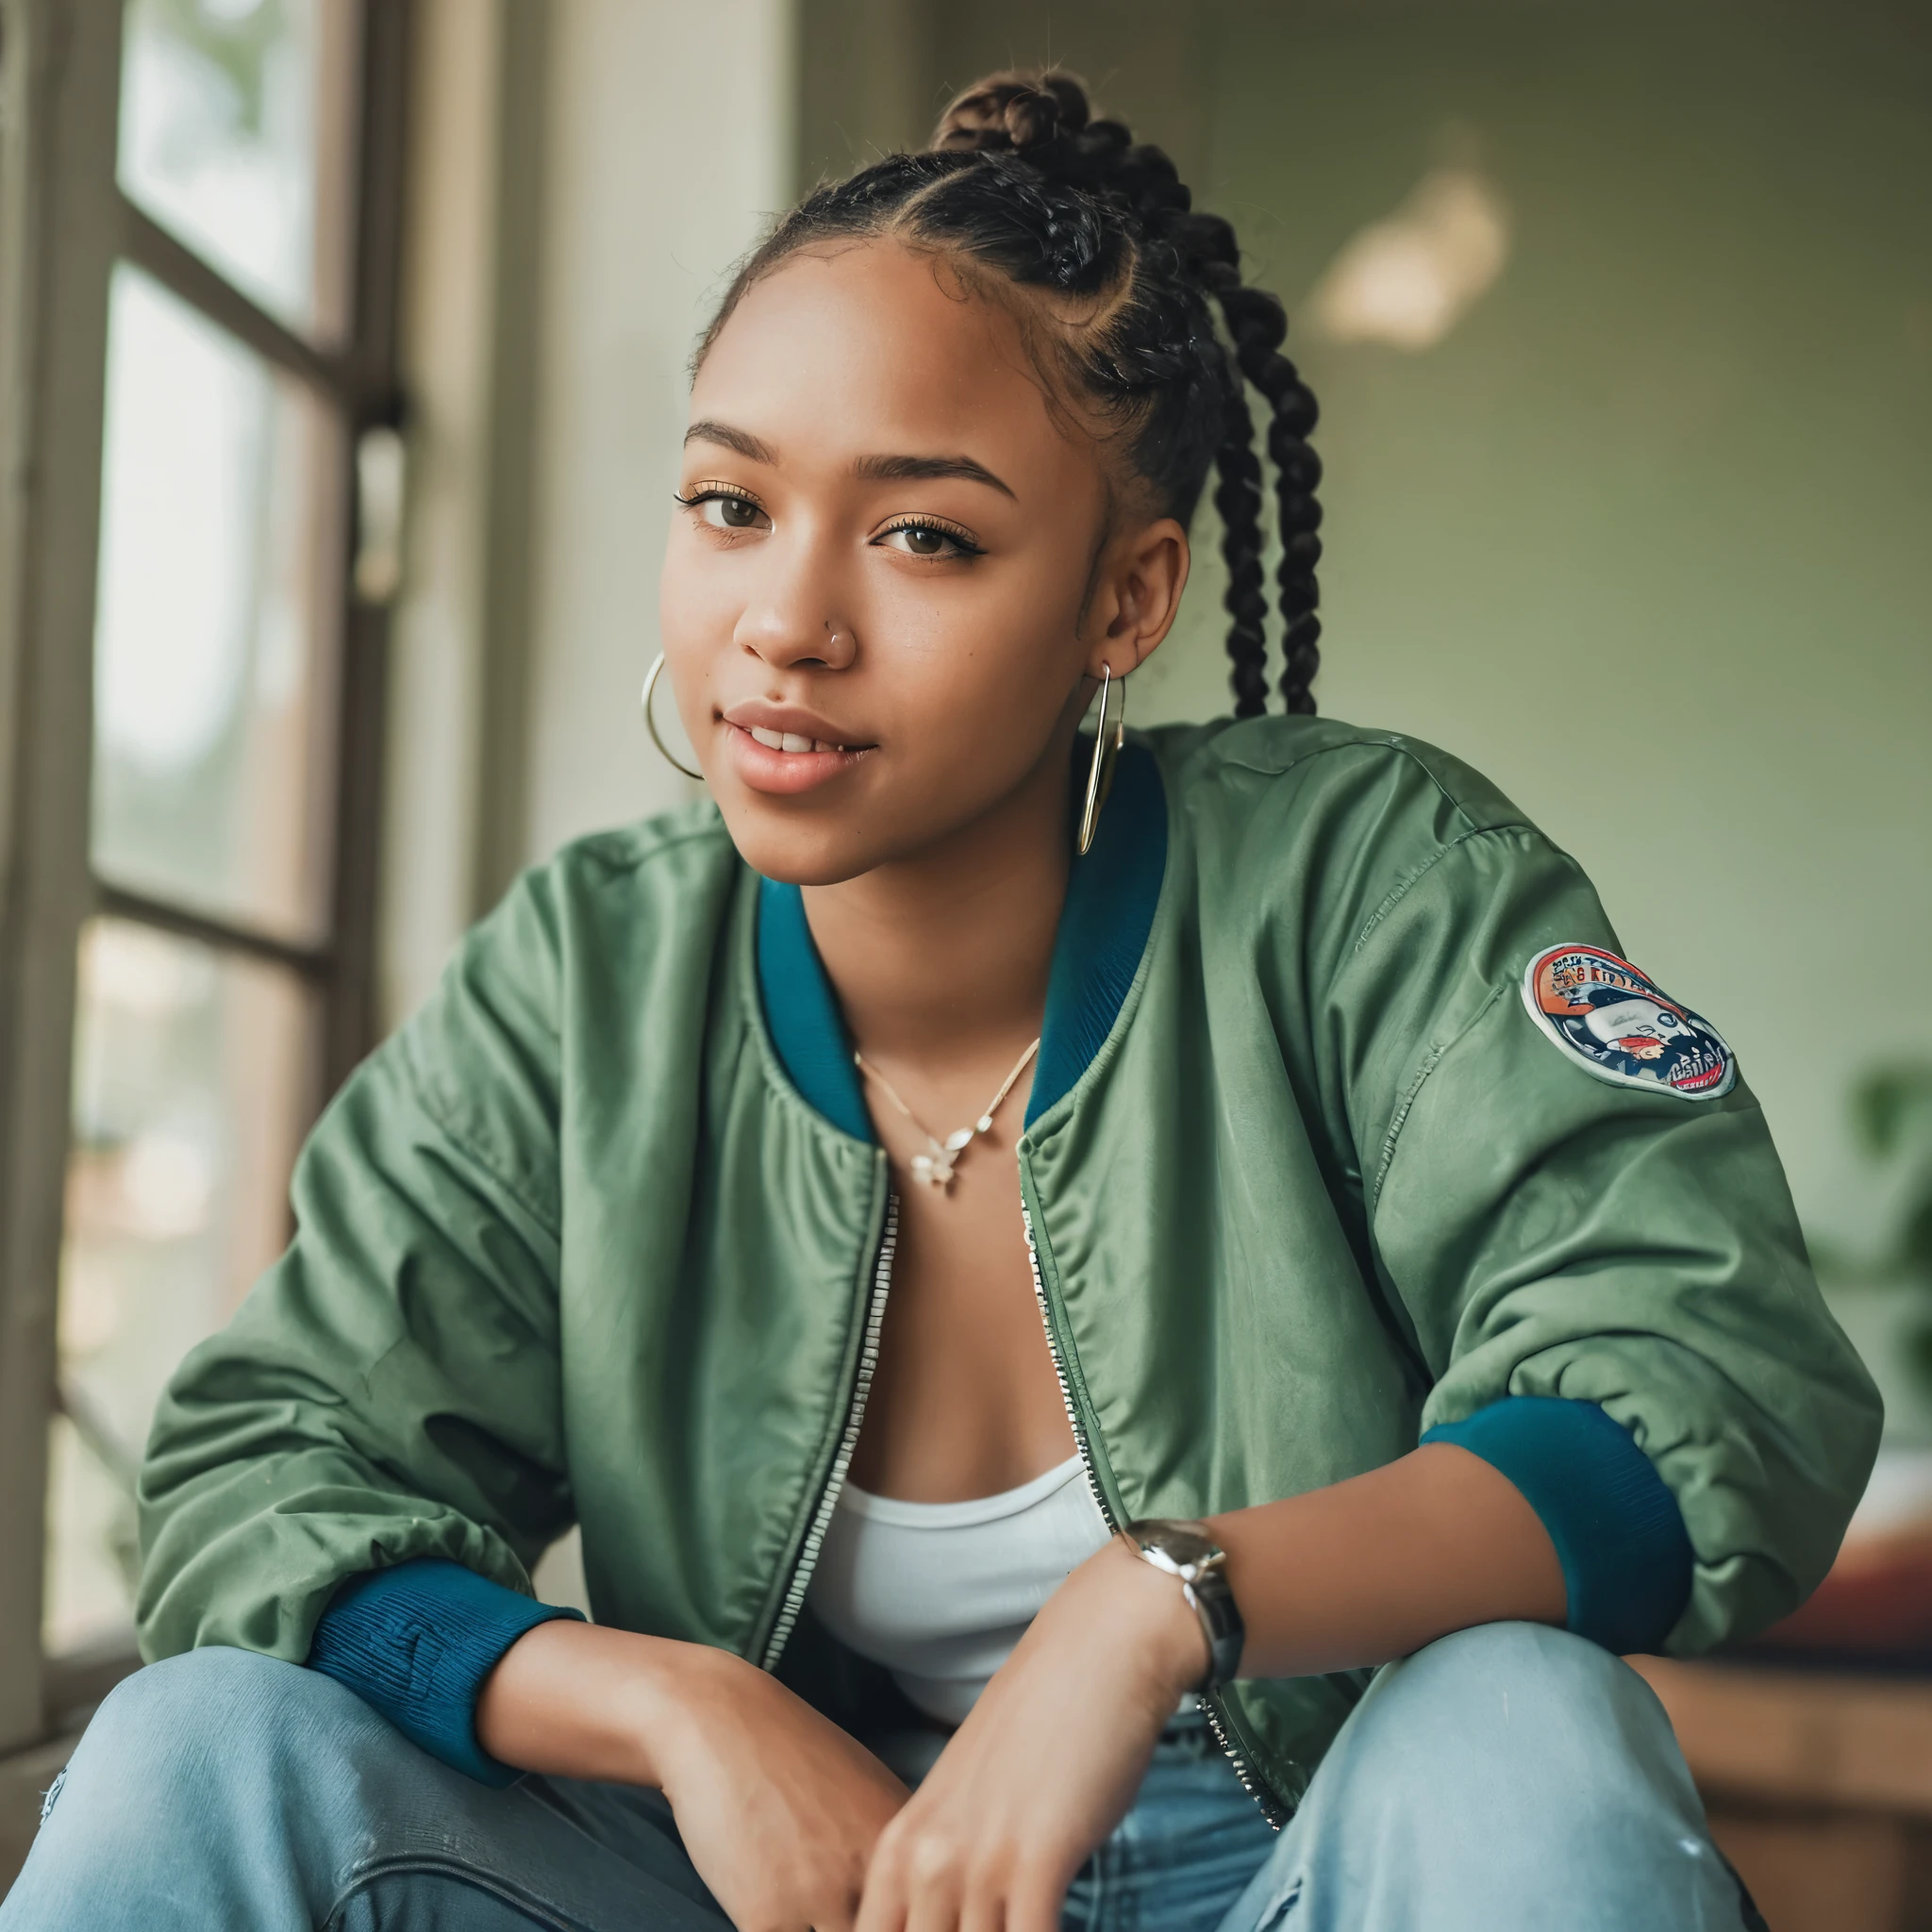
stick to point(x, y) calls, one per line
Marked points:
point(1606, 1015)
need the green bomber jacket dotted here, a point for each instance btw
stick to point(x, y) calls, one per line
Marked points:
point(1349, 1120)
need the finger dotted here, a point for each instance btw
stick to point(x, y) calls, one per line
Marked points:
point(935, 1867)
point(983, 1905)
point(1034, 1896)
point(882, 1905)
point(840, 1916)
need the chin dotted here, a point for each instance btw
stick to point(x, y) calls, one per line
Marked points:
point(799, 852)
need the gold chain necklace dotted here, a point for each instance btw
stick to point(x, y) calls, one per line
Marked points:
point(934, 1168)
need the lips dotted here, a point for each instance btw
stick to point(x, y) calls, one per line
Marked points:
point(785, 763)
point(792, 730)
point(792, 741)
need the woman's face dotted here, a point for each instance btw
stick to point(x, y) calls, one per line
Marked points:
point(893, 562)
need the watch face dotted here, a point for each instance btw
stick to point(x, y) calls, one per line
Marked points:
point(1182, 1542)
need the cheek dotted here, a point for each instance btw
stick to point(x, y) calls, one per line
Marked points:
point(695, 602)
point(983, 648)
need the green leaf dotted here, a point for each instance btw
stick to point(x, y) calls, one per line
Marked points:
point(1915, 1239)
point(1891, 1106)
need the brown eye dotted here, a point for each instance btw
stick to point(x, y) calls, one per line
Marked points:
point(927, 541)
point(725, 509)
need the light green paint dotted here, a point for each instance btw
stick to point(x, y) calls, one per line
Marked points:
point(1644, 537)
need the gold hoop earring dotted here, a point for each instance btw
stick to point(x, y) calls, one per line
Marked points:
point(651, 677)
point(1107, 748)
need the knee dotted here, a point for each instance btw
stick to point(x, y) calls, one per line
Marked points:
point(1476, 1669)
point(215, 1717)
point(1523, 1719)
point(1520, 1773)
point(168, 1704)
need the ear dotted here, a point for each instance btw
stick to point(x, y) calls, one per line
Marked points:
point(1136, 595)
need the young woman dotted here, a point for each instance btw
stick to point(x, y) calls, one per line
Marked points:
point(1037, 1263)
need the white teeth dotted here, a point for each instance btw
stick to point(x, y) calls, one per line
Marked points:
point(790, 740)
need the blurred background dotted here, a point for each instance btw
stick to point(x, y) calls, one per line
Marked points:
point(356, 340)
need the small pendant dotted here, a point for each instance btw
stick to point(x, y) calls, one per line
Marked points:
point(934, 1169)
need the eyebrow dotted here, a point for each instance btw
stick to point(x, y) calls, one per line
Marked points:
point(926, 469)
point(896, 469)
point(746, 444)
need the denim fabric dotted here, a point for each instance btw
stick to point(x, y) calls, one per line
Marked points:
point(1506, 1779)
point(1510, 1778)
point(1186, 1852)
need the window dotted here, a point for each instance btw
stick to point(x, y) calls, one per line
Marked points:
point(243, 545)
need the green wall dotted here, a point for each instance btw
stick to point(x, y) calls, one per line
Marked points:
point(1644, 537)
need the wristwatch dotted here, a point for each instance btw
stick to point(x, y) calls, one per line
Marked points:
point(1184, 1550)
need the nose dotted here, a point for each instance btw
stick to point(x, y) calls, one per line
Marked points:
point(792, 623)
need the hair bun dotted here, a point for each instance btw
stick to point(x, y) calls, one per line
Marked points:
point(1013, 112)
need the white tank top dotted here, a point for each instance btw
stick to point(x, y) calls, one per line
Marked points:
point(939, 1592)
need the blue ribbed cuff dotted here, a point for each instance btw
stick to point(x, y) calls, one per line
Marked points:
point(1616, 1527)
point(417, 1642)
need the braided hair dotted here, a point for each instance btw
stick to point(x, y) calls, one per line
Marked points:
point(1021, 181)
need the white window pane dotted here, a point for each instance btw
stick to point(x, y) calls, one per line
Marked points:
point(236, 135)
point(216, 622)
point(191, 1070)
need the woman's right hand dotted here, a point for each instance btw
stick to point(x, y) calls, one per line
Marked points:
point(778, 1808)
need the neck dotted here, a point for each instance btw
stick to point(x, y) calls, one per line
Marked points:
point(944, 958)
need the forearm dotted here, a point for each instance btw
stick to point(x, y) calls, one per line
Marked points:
point(778, 1810)
point(579, 1701)
point(1377, 1566)
point(1352, 1574)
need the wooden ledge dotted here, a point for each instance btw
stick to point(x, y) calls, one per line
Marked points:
point(1801, 1738)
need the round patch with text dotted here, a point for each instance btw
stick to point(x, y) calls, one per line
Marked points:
point(1620, 1025)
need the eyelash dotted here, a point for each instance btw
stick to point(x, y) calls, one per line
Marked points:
point(714, 493)
point(963, 545)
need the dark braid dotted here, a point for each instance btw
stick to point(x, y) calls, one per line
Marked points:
point(1020, 180)
point(1212, 257)
point(1297, 473)
point(1238, 500)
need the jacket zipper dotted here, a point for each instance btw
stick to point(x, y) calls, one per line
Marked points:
point(848, 1442)
point(1059, 1370)
point(1271, 1808)
point(1212, 1705)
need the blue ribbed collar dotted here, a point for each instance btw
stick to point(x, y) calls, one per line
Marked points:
point(1103, 925)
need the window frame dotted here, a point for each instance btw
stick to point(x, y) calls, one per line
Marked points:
point(64, 223)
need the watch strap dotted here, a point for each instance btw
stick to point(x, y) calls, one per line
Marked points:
point(1188, 1551)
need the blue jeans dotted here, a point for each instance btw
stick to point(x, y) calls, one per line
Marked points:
point(1505, 1778)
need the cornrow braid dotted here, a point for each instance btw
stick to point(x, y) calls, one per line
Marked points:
point(1212, 257)
point(1297, 473)
point(1238, 500)
point(1020, 179)
point(1258, 324)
